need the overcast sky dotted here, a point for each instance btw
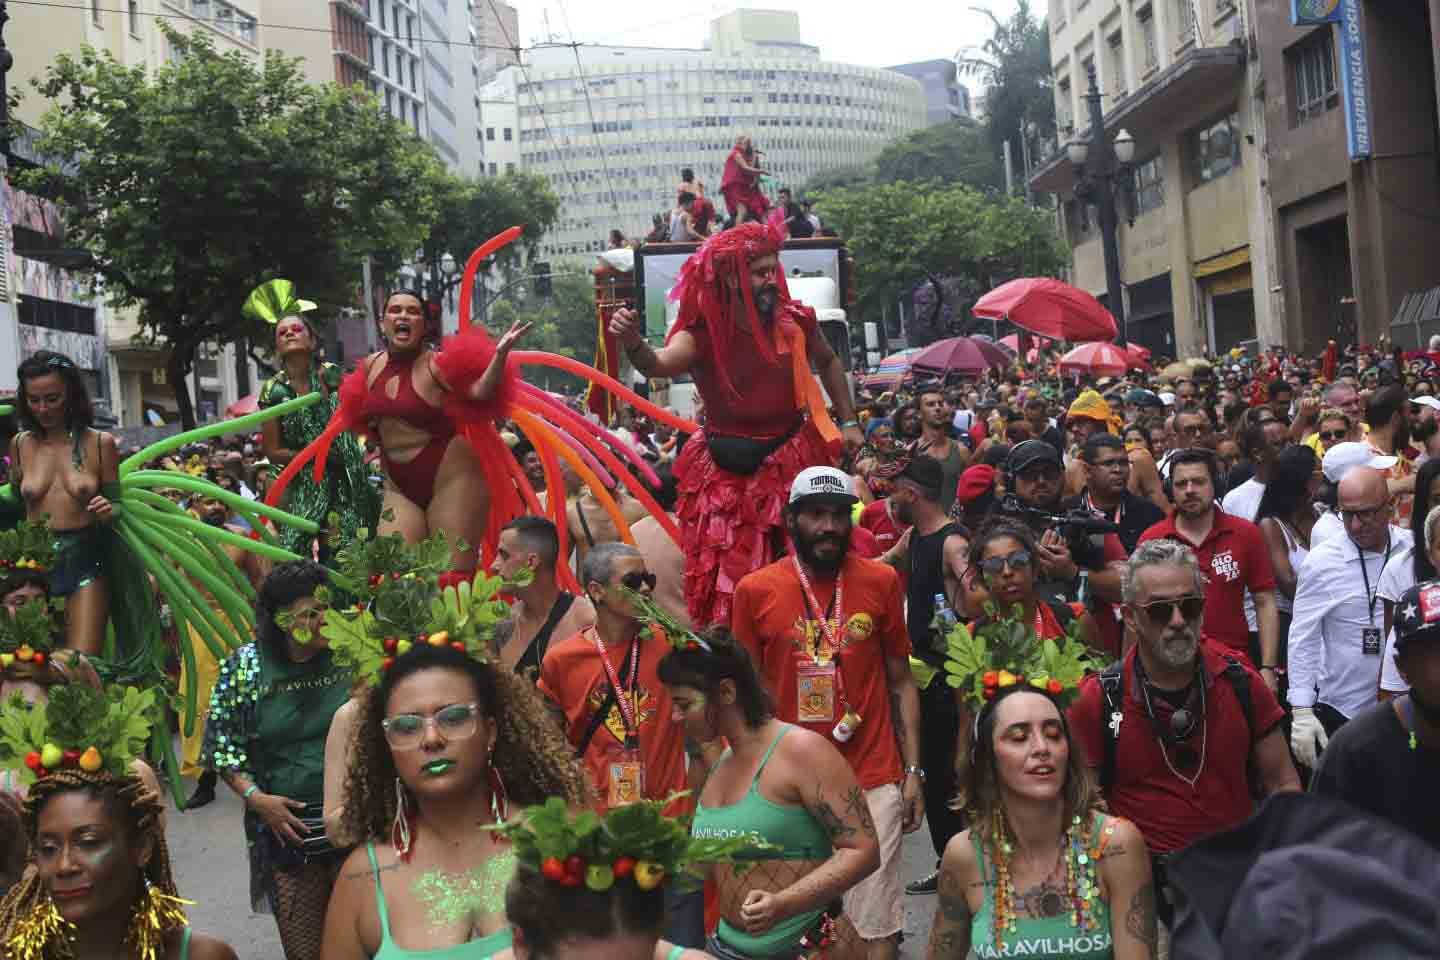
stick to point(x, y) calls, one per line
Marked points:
point(863, 32)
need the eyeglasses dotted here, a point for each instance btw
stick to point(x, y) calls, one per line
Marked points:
point(458, 721)
point(994, 566)
point(1365, 514)
point(1114, 463)
point(1162, 611)
point(1333, 436)
point(1193, 429)
point(632, 581)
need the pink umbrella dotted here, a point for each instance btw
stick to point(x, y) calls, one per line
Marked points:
point(1097, 359)
point(1013, 342)
point(1140, 357)
point(1048, 307)
point(959, 355)
point(244, 406)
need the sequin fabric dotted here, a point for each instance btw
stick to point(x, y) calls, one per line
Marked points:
point(231, 723)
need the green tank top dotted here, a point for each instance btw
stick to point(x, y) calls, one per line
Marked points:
point(298, 701)
point(1050, 938)
point(798, 835)
point(482, 949)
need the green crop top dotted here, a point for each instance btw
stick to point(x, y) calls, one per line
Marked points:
point(798, 835)
point(1049, 938)
point(482, 949)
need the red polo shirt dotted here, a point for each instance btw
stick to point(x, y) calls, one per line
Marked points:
point(1170, 813)
point(1233, 557)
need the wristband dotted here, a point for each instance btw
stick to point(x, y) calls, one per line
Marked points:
point(918, 771)
point(1269, 666)
point(849, 423)
point(253, 788)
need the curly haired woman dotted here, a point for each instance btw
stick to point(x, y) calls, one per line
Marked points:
point(443, 744)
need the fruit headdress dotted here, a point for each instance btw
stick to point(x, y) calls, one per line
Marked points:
point(77, 728)
point(635, 843)
point(407, 595)
point(1005, 651)
point(27, 638)
point(28, 549)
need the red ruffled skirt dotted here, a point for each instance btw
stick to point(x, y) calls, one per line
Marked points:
point(731, 524)
point(747, 193)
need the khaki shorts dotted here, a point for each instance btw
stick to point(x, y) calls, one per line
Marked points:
point(873, 906)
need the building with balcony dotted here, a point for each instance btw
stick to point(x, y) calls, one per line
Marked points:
point(946, 98)
point(1195, 263)
point(612, 132)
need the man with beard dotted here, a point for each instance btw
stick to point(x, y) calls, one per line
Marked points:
point(1387, 759)
point(827, 630)
point(1233, 554)
point(933, 555)
point(1182, 735)
point(937, 444)
point(1192, 429)
point(1388, 414)
point(1336, 634)
point(750, 349)
point(1425, 428)
point(1106, 492)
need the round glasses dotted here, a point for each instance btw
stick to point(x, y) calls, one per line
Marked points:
point(405, 731)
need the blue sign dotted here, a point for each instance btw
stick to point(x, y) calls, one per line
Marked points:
point(1354, 79)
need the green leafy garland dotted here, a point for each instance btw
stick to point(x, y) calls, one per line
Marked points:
point(27, 636)
point(635, 842)
point(651, 614)
point(77, 727)
point(406, 594)
point(1006, 651)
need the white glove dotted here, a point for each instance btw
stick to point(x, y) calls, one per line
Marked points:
point(1307, 735)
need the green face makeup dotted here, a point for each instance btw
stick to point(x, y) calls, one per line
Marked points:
point(452, 897)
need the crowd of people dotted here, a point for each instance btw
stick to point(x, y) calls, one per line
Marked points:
point(492, 679)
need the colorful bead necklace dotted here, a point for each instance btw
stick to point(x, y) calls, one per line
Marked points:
point(1082, 889)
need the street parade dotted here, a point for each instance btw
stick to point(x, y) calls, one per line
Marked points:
point(870, 561)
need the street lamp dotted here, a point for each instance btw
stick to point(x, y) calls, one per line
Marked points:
point(1102, 170)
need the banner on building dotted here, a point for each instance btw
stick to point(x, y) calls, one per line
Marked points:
point(1354, 78)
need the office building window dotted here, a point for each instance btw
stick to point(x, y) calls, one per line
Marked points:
point(1149, 185)
point(509, 168)
point(509, 135)
point(1313, 73)
point(490, 133)
point(1115, 64)
point(134, 18)
point(493, 170)
point(1215, 149)
point(1145, 19)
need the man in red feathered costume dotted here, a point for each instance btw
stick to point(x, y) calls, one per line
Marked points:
point(749, 348)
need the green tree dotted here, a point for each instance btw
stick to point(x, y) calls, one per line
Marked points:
point(189, 186)
point(900, 233)
point(473, 211)
point(564, 323)
point(954, 152)
point(1015, 65)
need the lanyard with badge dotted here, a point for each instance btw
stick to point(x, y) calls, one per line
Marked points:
point(819, 684)
point(1370, 636)
point(627, 773)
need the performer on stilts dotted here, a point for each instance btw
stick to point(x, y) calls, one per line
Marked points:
point(749, 347)
point(347, 490)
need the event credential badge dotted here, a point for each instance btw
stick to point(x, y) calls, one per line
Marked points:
point(627, 776)
point(815, 692)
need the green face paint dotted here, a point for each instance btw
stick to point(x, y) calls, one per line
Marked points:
point(452, 897)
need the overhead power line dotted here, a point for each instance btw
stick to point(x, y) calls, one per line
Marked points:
point(589, 107)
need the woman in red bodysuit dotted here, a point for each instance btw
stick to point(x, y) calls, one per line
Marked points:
point(740, 184)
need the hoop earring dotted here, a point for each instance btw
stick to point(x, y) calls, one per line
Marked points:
point(499, 796)
point(400, 837)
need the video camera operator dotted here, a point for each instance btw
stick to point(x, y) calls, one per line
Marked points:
point(1068, 542)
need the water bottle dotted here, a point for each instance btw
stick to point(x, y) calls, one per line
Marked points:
point(944, 616)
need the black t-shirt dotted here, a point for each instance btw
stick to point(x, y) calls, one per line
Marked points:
point(1137, 514)
point(1369, 764)
point(1053, 437)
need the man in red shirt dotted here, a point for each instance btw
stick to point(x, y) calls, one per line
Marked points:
point(1232, 554)
point(1178, 727)
point(827, 629)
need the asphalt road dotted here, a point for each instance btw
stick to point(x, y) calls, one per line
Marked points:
point(208, 850)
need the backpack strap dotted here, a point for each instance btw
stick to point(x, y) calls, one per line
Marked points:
point(1239, 678)
point(1112, 693)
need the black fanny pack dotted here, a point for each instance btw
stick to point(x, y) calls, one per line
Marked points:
point(315, 846)
point(744, 455)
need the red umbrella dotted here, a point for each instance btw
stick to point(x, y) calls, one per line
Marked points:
point(1139, 356)
point(962, 355)
point(1098, 360)
point(244, 406)
point(1013, 342)
point(1048, 307)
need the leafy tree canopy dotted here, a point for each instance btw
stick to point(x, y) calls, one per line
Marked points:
point(191, 185)
point(953, 152)
point(564, 323)
point(1015, 65)
point(472, 211)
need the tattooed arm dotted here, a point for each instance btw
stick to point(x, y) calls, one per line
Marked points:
point(823, 782)
point(1125, 877)
point(905, 715)
point(950, 931)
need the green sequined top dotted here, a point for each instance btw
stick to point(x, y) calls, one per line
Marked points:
point(347, 489)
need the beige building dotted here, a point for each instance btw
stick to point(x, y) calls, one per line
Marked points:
point(1195, 263)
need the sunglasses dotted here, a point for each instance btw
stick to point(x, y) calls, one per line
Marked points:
point(994, 566)
point(1162, 611)
point(1333, 436)
point(633, 581)
point(1365, 514)
point(458, 721)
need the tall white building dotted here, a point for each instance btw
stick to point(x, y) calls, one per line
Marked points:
point(396, 35)
point(612, 131)
point(495, 32)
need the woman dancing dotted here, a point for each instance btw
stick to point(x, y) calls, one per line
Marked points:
point(346, 489)
point(101, 885)
point(740, 183)
point(59, 463)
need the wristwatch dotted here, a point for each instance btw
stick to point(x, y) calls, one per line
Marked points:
point(918, 771)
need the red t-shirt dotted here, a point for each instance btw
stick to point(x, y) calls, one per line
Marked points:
point(876, 518)
point(1169, 812)
point(573, 677)
point(1233, 557)
point(773, 621)
point(863, 542)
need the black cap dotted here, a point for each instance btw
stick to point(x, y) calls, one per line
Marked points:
point(1140, 397)
point(1031, 452)
point(1417, 614)
point(926, 473)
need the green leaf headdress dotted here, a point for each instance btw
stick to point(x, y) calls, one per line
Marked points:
point(635, 843)
point(27, 549)
point(1005, 652)
point(27, 638)
point(275, 300)
point(76, 728)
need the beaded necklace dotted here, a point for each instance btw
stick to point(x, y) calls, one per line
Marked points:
point(1081, 886)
